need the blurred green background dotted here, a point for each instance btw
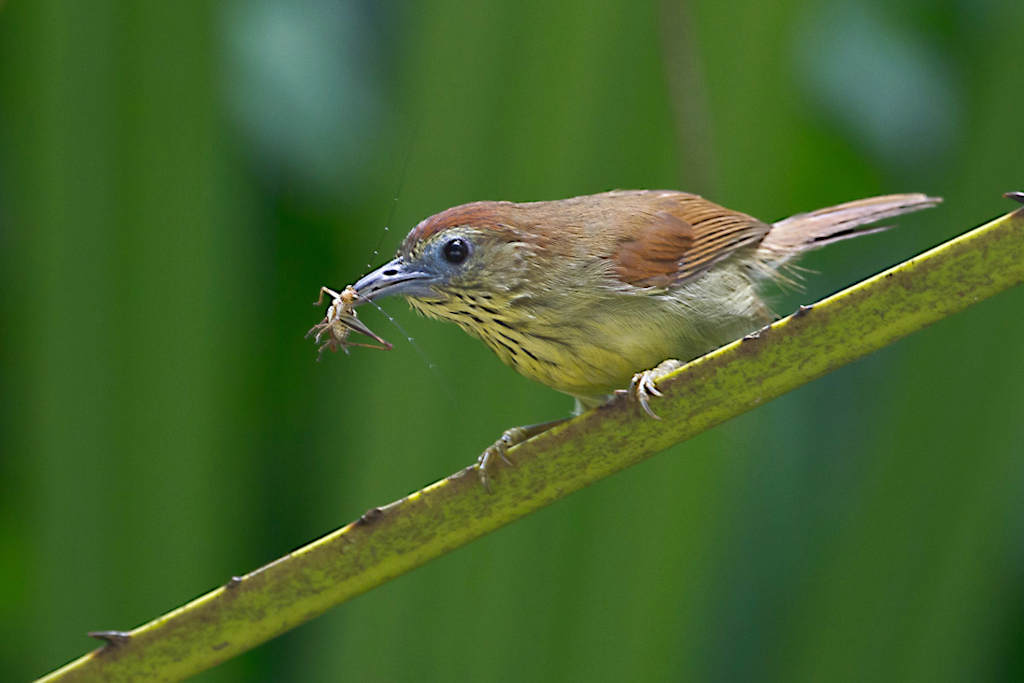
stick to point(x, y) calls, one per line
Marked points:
point(178, 179)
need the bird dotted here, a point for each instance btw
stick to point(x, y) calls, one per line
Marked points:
point(592, 294)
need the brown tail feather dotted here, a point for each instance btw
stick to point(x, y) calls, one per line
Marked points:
point(806, 231)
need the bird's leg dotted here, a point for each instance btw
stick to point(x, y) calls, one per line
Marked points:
point(642, 387)
point(488, 460)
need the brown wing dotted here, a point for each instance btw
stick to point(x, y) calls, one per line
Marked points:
point(680, 240)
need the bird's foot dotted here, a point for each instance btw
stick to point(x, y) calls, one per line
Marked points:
point(644, 383)
point(488, 461)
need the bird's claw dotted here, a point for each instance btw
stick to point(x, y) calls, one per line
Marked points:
point(642, 388)
point(488, 460)
point(643, 385)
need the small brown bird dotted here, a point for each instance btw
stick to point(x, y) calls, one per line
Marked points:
point(582, 294)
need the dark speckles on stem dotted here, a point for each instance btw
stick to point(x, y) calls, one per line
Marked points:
point(111, 638)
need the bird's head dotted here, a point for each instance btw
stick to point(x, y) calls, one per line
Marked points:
point(455, 263)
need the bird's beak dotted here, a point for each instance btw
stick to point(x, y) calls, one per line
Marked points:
point(396, 277)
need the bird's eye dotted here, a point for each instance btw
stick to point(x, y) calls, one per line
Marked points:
point(455, 250)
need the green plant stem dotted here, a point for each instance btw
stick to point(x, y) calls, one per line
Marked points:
point(390, 541)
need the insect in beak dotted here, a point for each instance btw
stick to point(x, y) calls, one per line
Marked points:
point(340, 321)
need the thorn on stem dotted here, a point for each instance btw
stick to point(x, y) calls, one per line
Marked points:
point(111, 638)
point(370, 516)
